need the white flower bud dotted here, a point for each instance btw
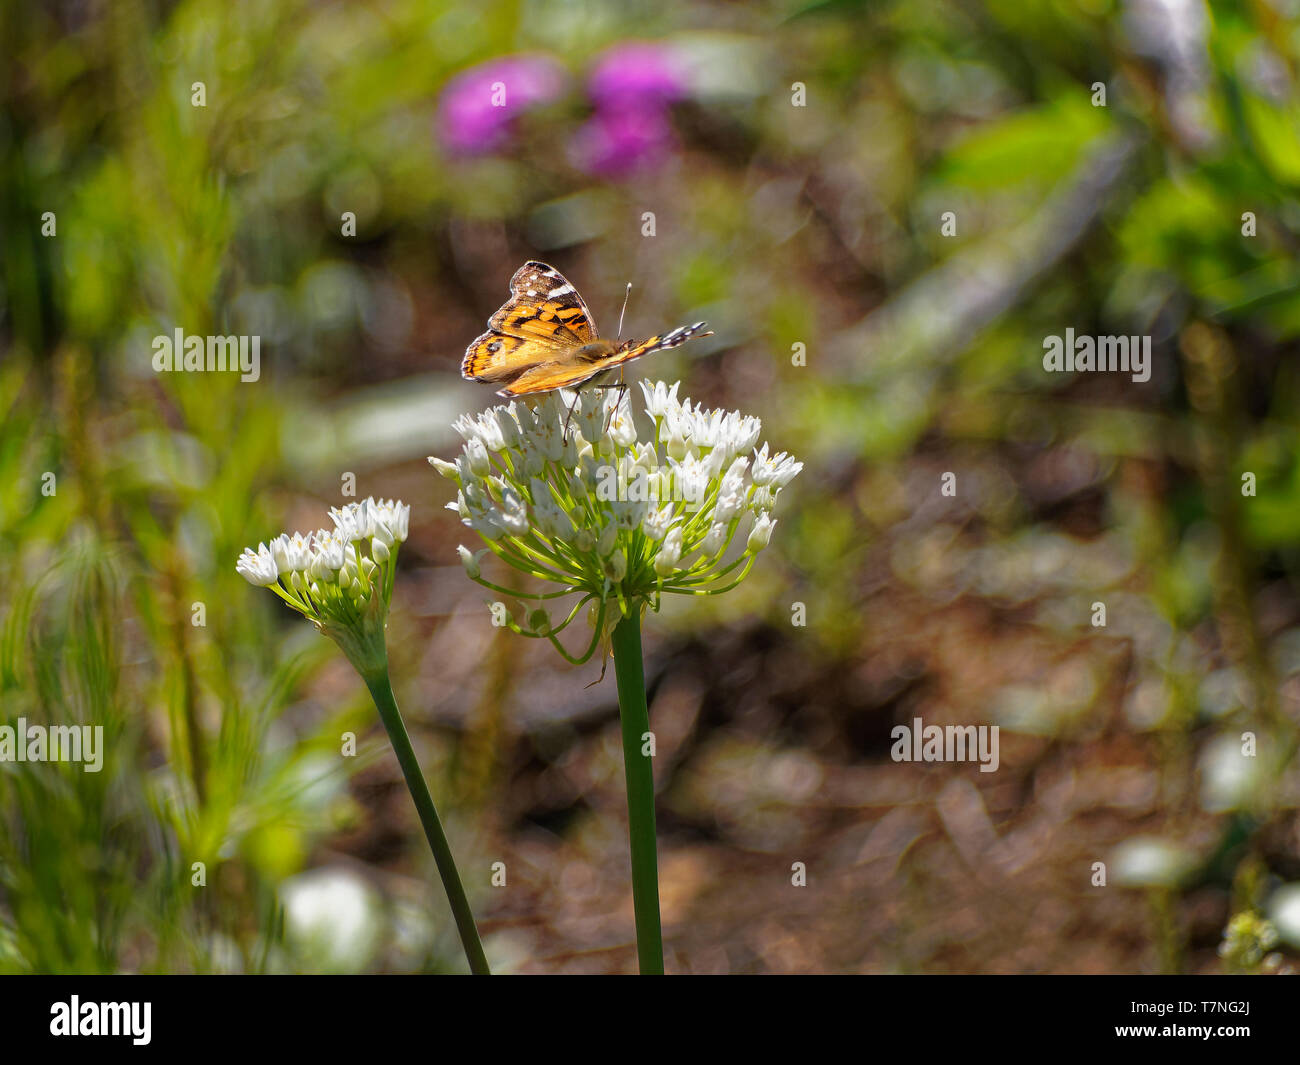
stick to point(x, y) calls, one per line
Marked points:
point(507, 427)
point(760, 534)
point(447, 469)
point(670, 552)
point(615, 566)
point(730, 503)
point(477, 454)
point(763, 499)
point(279, 548)
point(607, 539)
point(470, 562)
point(715, 540)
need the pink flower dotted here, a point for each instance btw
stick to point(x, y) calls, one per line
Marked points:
point(615, 143)
point(636, 74)
point(478, 104)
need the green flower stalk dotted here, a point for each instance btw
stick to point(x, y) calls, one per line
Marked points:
point(341, 579)
point(567, 492)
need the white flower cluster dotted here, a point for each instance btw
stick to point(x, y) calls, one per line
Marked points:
point(567, 491)
point(334, 575)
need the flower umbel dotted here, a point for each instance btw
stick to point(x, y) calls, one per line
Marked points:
point(342, 578)
point(567, 491)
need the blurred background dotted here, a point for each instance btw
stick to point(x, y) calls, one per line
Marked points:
point(341, 186)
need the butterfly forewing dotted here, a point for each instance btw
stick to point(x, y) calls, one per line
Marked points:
point(544, 305)
point(543, 320)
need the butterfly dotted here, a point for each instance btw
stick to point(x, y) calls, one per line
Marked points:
point(543, 338)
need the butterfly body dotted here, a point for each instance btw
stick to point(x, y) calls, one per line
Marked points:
point(543, 338)
point(597, 350)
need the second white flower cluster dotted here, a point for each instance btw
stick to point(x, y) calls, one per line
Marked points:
point(333, 570)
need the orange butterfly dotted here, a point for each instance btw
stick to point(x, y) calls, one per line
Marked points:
point(543, 338)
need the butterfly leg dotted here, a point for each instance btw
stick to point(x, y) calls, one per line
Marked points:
point(618, 402)
point(577, 398)
point(621, 385)
point(622, 388)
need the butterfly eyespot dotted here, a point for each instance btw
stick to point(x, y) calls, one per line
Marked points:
point(494, 347)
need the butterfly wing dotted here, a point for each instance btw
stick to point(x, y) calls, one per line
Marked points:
point(544, 320)
point(549, 376)
point(571, 371)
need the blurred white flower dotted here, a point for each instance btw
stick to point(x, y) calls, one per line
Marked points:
point(1228, 777)
point(1146, 861)
point(333, 918)
point(1284, 910)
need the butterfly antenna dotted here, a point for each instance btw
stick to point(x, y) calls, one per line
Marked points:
point(626, 296)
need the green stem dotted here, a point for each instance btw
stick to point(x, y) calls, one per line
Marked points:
point(637, 768)
point(381, 689)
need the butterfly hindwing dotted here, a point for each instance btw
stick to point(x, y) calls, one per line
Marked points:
point(493, 357)
point(551, 375)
